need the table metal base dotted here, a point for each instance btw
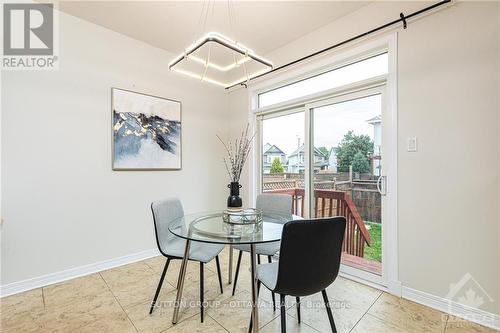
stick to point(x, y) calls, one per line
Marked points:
point(230, 274)
point(255, 297)
point(180, 282)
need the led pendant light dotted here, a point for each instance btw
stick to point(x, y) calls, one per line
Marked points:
point(217, 59)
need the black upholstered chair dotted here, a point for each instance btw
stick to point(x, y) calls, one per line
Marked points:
point(309, 262)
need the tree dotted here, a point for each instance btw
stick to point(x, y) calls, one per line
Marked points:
point(324, 151)
point(276, 167)
point(360, 163)
point(350, 145)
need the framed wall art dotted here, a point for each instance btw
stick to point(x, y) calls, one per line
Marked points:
point(146, 131)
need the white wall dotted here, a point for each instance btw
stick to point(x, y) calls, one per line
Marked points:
point(448, 96)
point(63, 206)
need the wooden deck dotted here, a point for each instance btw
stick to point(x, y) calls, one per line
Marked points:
point(338, 203)
point(366, 265)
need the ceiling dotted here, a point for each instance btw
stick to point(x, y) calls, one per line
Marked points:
point(173, 25)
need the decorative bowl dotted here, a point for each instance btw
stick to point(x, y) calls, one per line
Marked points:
point(248, 216)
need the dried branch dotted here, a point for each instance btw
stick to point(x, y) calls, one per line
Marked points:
point(237, 154)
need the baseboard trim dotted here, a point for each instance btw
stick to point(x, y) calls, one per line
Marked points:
point(395, 288)
point(456, 309)
point(48, 279)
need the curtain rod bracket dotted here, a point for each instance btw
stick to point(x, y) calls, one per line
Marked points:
point(403, 19)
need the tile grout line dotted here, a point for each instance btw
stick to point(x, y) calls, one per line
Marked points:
point(218, 323)
point(400, 298)
point(364, 314)
point(301, 323)
point(117, 301)
point(180, 321)
point(446, 323)
point(237, 293)
point(381, 318)
point(43, 299)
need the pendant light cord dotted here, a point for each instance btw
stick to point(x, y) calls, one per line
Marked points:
point(231, 12)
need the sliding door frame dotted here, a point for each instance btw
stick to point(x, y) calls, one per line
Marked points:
point(390, 281)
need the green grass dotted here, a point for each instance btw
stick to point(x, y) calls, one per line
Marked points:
point(374, 252)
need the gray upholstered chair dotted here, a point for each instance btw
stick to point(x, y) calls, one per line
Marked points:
point(309, 262)
point(172, 247)
point(279, 204)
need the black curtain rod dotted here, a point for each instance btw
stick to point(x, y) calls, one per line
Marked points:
point(402, 18)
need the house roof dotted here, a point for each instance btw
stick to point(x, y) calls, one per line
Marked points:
point(374, 120)
point(321, 164)
point(317, 152)
point(274, 150)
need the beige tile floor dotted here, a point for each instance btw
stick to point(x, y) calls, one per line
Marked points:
point(118, 300)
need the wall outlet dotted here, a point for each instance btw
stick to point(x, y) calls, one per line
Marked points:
point(412, 144)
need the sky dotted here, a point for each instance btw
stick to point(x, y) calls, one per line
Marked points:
point(331, 123)
point(355, 72)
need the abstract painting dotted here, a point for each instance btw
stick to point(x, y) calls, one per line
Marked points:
point(146, 131)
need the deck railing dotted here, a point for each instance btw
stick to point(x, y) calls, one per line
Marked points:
point(329, 203)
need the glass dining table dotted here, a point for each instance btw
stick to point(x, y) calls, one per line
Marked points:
point(210, 228)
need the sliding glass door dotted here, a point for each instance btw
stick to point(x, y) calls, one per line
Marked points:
point(329, 156)
point(345, 168)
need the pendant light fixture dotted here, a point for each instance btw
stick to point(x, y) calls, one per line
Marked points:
point(217, 59)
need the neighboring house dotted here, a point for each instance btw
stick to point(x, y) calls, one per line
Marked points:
point(270, 153)
point(296, 161)
point(377, 143)
point(332, 160)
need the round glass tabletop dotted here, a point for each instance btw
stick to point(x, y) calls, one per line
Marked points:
point(209, 227)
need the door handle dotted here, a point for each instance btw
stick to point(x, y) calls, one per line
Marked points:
point(381, 188)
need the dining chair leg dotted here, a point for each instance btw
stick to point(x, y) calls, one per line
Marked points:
point(270, 260)
point(250, 326)
point(202, 291)
point(329, 311)
point(159, 285)
point(237, 271)
point(297, 299)
point(258, 259)
point(218, 273)
point(283, 313)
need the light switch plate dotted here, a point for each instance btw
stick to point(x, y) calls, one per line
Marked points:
point(412, 144)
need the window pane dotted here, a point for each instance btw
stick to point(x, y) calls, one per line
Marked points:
point(347, 140)
point(283, 158)
point(355, 72)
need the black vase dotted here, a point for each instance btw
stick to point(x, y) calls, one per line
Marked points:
point(234, 200)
